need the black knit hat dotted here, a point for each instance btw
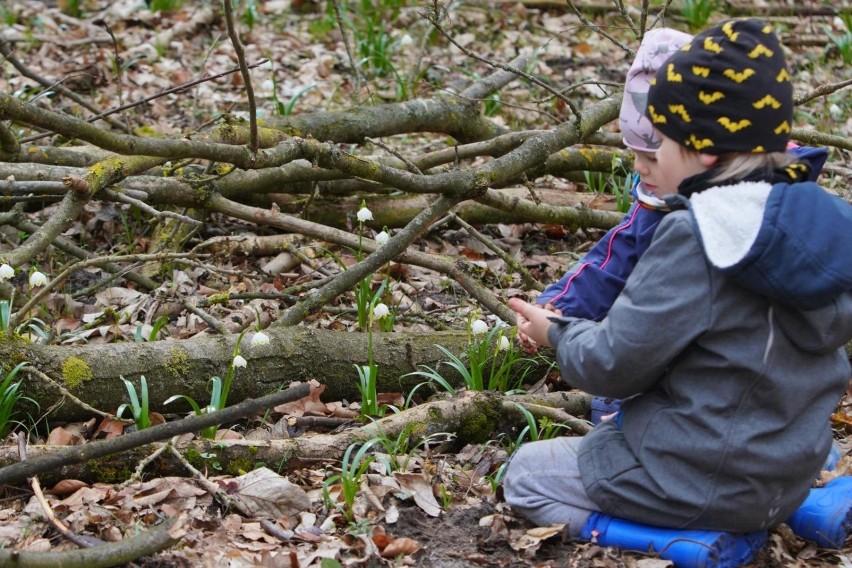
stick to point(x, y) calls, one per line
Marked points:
point(728, 90)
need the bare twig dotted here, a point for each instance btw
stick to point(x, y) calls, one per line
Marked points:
point(65, 245)
point(119, 69)
point(162, 536)
point(124, 198)
point(178, 89)
point(511, 262)
point(555, 414)
point(140, 468)
point(356, 69)
point(209, 486)
point(597, 29)
point(519, 72)
point(6, 51)
point(48, 380)
point(214, 324)
point(241, 57)
point(78, 454)
point(412, 167)
point(821, 91)
point(44, 290)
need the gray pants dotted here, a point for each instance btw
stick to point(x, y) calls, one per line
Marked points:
point(543, 484)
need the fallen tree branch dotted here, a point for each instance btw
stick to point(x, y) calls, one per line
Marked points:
point(76, 454)
point(163, 536)
point(472, 416)
point(183, 367)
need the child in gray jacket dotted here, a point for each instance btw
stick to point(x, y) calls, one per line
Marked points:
point(727, 337)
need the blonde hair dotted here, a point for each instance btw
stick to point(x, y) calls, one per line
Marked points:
point(738, 165)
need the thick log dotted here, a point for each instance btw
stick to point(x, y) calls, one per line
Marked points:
point(472, 416)
point(91, 372)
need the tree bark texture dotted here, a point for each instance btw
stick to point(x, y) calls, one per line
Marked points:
point(471, 416)
point(91, 372)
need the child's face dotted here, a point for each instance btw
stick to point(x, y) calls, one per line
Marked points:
point(645, 164)
point(675, 164)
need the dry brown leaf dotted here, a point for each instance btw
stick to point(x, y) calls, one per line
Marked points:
point(419, 486)
point(264, 493)
point(310, 403)
point(67, 487)
point(400, 547)
point(59, 436)
point(109, 428)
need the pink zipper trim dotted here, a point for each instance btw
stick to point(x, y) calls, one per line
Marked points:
point(606, 260)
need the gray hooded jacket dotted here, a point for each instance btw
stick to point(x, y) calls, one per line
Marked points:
point(731, 391)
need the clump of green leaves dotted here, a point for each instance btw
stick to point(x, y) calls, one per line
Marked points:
point(842, 43)
point(698, 13)
point(619, 183)
point(166, 5)
point(9, 396)
point(490, 354)
point(352, 470)
point(138, 404)
point(219, 390)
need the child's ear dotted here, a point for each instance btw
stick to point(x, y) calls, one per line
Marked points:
point(707, 160)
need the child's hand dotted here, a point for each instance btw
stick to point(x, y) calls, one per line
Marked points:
point(527, 344)
point(533, 321)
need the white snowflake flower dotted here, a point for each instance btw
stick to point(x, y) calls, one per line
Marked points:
point(259, 338)
point(364, 214)
point(37, 279)
point(836, 113)
point(405, 40)
point(382, 238)
point(478, 327)
point(239, 361)
point(380, 311)
point(6, 272)
point(504, 344)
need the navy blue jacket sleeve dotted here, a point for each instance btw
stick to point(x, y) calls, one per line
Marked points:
point(588, 290)
point(591, 286)
point(814, 158)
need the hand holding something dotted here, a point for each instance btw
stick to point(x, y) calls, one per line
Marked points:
point(533, 321)
point(527, 344)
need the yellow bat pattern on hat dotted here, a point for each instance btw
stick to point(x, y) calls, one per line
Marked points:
point(699, 144)
point(656, 118)
point(739, 77)
point(758, 150)
point(680, 111)
point(782, 76)
point(728, 30)
point(768, 100)
point(732, 126)
point(672, 76)
point(709, 98)
point(783, 127)
point(711, 45)
point(759, 50)
point(701, 71)
point(767, 29)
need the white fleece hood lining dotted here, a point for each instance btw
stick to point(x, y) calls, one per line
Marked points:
point(648, 198)
point(729, 218)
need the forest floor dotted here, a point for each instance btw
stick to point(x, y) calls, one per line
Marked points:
point(438, 504)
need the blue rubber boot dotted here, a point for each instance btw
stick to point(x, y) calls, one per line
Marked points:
point(826, 515)
point(685, 548)
point(602, 406)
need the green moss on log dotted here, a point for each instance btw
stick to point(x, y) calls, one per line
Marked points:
point(75, 371)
